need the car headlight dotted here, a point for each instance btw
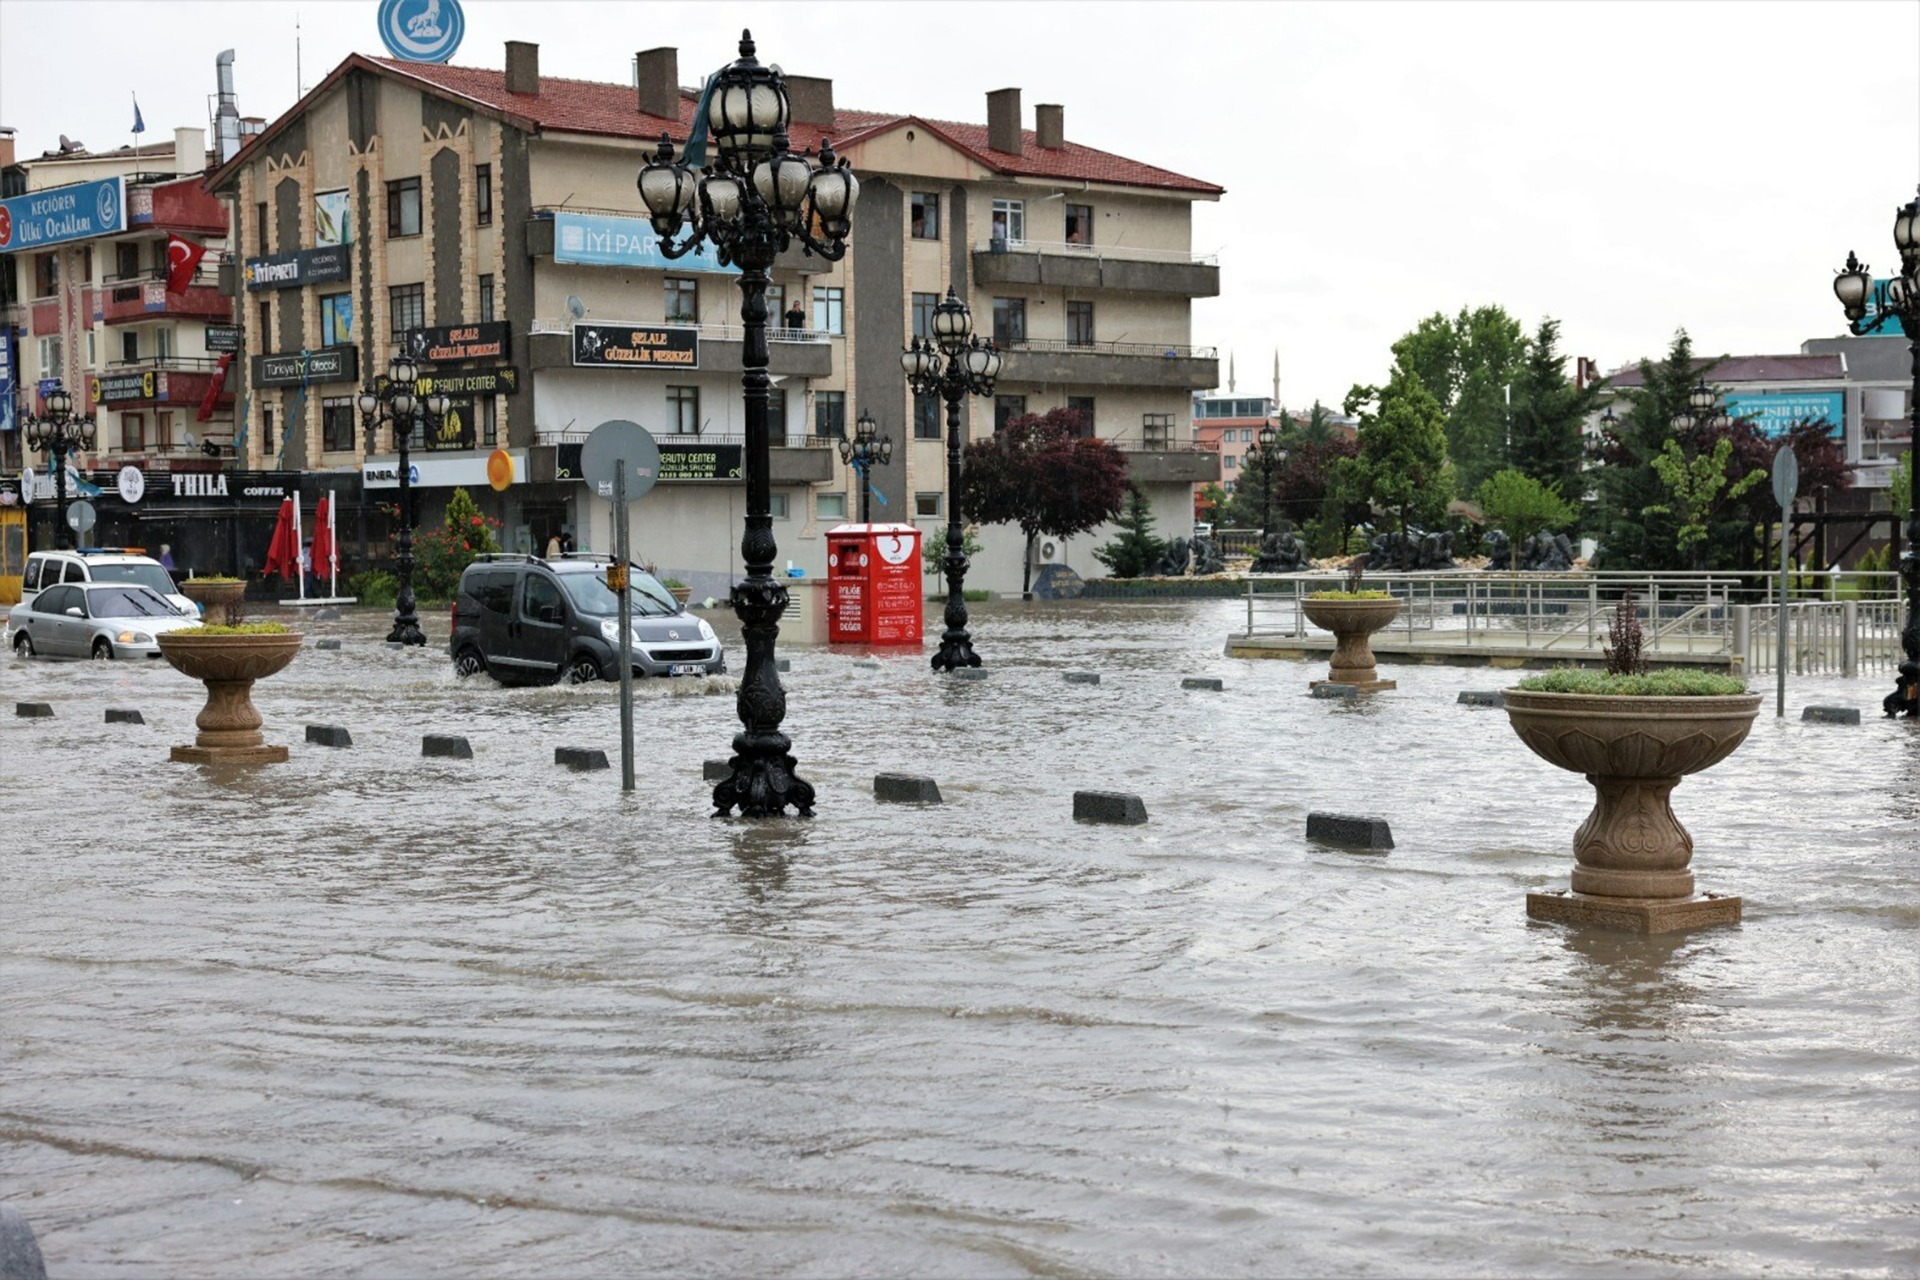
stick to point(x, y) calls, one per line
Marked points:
point(610, 628)
point(706, 630)
point(134, 637)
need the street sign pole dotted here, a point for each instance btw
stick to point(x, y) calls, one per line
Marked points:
point(1786, 485)
point(621, 587)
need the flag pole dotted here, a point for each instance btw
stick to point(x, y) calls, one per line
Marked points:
point(299, 545)
point(333, 548)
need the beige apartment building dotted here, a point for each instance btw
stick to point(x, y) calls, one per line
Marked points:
point(489, 221)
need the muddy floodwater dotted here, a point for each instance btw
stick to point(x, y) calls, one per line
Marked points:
point(370, 1014)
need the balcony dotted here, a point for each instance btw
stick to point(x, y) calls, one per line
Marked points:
point(791, 460)
point(1120, 364)
point(144, 296)
point(540, 242)
point(1096, 266)
point(166, 382)
point(1154, 464)
point(794, 353)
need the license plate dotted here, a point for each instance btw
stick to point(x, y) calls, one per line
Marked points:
point(686, 669)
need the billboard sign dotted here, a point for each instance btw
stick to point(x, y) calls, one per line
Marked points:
point(295, 368)
point(7, 376)
point(447, 343)
point(304, 266)
point(635, 346)
point(1774, 411)
point(613, 240)
point(57, 215)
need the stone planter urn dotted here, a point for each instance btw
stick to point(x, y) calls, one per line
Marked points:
point(680, 594)
point(1351, 622)
point(1630, 856)
point(228, 666)
point(216, 599)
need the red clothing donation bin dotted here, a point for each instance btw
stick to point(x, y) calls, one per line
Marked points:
point(873, 584)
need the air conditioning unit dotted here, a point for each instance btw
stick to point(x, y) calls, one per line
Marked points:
point(1048, 551)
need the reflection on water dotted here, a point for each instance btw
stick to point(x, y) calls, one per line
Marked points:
point(369, 1012)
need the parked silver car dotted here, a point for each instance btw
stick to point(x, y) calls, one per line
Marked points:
point(94, 620)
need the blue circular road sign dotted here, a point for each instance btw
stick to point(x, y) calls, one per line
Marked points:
point(422, 30)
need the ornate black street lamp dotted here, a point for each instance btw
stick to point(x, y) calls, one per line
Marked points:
point(59, 434)
point(861, 453)
point(1867, 310)
point(1702, 412)
point(953, 364)
point(754, 198)
point(399, 404)
point(1268, 438)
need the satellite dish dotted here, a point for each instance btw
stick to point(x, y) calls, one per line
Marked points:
point(576, 308)
point(193, 441)
point(65, 145)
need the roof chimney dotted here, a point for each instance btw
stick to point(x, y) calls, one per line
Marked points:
point(523, 67)
point(1003, 120)
point(811, 98)
point(1050, 125)
point(189, 151)
point(6, 146)
point(656, 73)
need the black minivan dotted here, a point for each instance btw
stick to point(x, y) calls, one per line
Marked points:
point(535, 620)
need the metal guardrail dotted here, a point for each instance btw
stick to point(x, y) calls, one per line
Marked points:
point(1162, 350)
point(1118, 252)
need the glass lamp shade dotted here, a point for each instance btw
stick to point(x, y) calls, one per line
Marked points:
point(863, 428)
point(89, 432)
point(952, 323)
point(835, 192)
point(667, 189)
point(722, 192)
point(886, 450)
point(369, 404)
point(1851, 286)
point(1906, 229)
point(1683, 421)
point(993, 362)
point(400, 370)
point(782, 182)
point(59, 402)
point(1267, 436)
point(846, 451)
point(749, 106)
point(403, 403)
point(916, 361)
point(979, 359)
point(1701, 399)
point(438, 404)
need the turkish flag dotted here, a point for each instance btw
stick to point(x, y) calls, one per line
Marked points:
point(182, 257)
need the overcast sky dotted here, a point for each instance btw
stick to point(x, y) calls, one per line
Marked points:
point(1627, 168)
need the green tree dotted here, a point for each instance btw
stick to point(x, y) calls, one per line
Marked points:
point(1697, 486)
point(1042, 474)
point(1256, 491)
point(1522, 506)
point(442, 555)
point(1547, 438)
point(1402, 465)
point(1211, 502)
point(1902, 491)
point(1136, 551)
point(1624, 485)
point(1468, 363)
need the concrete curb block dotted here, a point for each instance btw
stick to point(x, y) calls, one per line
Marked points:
point(1351, 830)
point(328, 614)
point(1109, 806)
point(326, 644)
point(20, 1257)
point(1482, 698)
point(868, 664)
point(969, 673)
point(779, 664)
point(329, 735)
point(1334, 691)
point(447, 746)
point(716, 770)
point(33, 710)
point(905, 788)
point(1831, 715)
point(1214, 683)
point(124, 715)
point(581, 759)
point(1083, 677)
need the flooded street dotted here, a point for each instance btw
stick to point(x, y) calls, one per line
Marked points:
point(369, 1014)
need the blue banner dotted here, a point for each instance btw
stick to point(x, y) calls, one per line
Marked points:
point(613, 240)
point(1774, 411)
point(60, 214)
point(6, 377)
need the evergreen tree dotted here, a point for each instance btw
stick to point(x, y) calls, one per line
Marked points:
point(1625, 487)
point(1468, 363)
point(1136, 551)
point(1402, 465)
point(1549, 414)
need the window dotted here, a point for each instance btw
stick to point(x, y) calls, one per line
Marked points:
point(336, 320)
point(336, 424)
point(1079, 224)
point(260, 227)
point(92, 358)
point(1229, 461)
point(923, 305)
point(486, 415)
point(830, 506)
point(486, 299)
point(1009, 320)
point(1010, 221)
point(1082, 405)
point(1006, 409)
point(540, 599)
point(483, 194)
point(1079, 324)
point(53, 357)
point(777, 412)
point(926, 417)
point(129, 346)
point(926, 504)
point(924, 216)
point(683, 410)
point(829, 309)
point(266, 428)
point(264, 340)
point(162, 343)
point(683, 300)
point(403, 207)
point(830, 414)
point(1157, 428)
point(133, 432)
point(777, 506)
point(407, 305)
point(46, 275)
point(126, 259)
point(163, 431)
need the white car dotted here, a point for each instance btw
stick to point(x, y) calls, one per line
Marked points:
point(101, 620)
point(101, 564)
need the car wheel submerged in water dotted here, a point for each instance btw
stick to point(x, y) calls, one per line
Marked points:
point(469, 663)
point(23, 645)
point(102, 651)
point(583, 669)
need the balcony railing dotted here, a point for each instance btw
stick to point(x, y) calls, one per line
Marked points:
point(710, 332)
point(1117, 252)
point(790, 440)
point(1166, 350)
point(149, 300)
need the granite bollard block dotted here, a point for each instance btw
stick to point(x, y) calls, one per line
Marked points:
point(1328, 689)
point(1083, 677)
point(329, 735)
point(326, 644)
point(782, 664)
point(328, 614)
point(581, 759)
point(905, 788)
point(1214, 683)
point(969, 673)
point(1350, 830)
point(447, 746)
point(1109, 806)
point(124, 715)
point(20, 1257)
point(716, 770)
point(868, 664)
point(1481, 698)
point(1831, 715)
point(33, 710)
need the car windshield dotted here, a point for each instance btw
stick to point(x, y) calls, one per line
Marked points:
point(150, 576)
point(128, 602)
point(646, 598)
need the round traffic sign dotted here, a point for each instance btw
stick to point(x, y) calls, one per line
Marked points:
point(80, 516)
point(1786, 476)
point(616, 443)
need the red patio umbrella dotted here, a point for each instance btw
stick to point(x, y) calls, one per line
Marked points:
point(283, 552)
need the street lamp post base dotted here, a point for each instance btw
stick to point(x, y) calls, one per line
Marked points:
point(956, 651)
point(406, 631)
point(762, 786)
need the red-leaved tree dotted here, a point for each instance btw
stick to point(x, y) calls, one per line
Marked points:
point(1043, 474)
